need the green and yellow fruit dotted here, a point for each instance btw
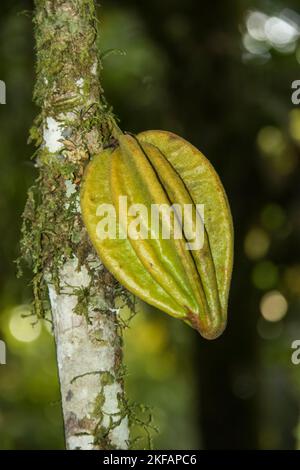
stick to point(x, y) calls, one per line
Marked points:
point(160, 168)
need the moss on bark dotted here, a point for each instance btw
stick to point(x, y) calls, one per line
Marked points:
point(69, 96)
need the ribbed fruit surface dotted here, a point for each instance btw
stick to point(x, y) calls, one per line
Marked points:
point(160, 168)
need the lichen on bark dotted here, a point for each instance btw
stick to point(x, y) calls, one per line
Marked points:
point(74, 123)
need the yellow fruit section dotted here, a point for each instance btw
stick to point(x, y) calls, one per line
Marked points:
point(116, 254)
point(160, 168)
point(205, 279)
point(204, 187)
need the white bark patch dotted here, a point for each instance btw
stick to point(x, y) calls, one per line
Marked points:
point(81, 358)
point(119, 435)
point(81, 442)
point(80, 83)
point(53, 135)
point(94, 68)
point(70, 188)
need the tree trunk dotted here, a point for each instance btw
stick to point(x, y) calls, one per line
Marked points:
point(74, 124)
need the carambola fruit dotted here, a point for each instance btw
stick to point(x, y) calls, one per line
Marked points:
point(160, 168)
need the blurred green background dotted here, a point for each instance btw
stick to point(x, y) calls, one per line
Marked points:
point(219, 75)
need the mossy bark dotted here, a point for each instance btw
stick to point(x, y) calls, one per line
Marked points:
point(74, 123)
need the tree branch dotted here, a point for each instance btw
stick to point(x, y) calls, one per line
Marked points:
point(73, 125)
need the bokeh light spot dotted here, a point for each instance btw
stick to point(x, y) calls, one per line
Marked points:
point(271, 141)
point(273, 306)
point(256, 244)
point(280, 32)
point(255, 23)
point(264, 32)
point(276, 151)
point(253, 46)
point(23, 326)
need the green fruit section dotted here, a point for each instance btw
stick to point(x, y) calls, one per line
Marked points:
point(204, 187)
point(161, 168)
point(118, 255)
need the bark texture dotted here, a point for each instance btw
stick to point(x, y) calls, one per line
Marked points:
point(74, 123)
